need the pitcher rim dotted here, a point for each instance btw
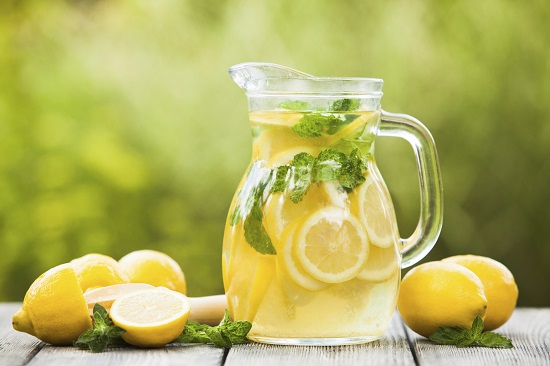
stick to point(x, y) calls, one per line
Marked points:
point(257, 82)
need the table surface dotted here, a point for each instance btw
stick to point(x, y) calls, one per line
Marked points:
point(529, 329)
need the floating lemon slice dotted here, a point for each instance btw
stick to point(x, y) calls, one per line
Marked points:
point(151, 318)
point(280, 211)
point(381, 264)
point(349, 129)
point(291, 266)
point(376, 213)
point(332, 245)
point(275, 118)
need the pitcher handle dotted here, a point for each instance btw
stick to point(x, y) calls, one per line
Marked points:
point(422, 240)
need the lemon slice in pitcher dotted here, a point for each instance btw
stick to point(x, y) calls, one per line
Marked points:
point(381, 264)
point(280, 211)
point(376, 214)
point(332, 245)
point(292, 267)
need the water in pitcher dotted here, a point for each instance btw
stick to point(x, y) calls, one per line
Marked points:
point(311, 246)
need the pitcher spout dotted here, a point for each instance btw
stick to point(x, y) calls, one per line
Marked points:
point(253, 75)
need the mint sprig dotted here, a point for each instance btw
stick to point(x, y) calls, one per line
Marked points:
point(462, 337)
point(102, 334)
point(315, 123)
point(295, 179)
point(226, 334)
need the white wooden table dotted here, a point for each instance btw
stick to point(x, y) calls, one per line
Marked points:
point(529, 329)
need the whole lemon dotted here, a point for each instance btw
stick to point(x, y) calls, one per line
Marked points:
point(54, 309)
point(97, 270)
point(154, 268)
point(437, 294)
point(499, 285)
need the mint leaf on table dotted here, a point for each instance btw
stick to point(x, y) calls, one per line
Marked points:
point(495, 340)
point(102, 334)
point(226, 334)
point(462, 337)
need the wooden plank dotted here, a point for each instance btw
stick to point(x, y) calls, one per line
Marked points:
point(392, 349)
point(181, 355)
point(16, 348)
point(528, 328)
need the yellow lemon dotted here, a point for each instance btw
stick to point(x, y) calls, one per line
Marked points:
point(105, 296)
point(499, 285)
point(154, 268)
point(437, 294)
point(97, 270)
point(331, 245)
point(151, 318)
point(54, 309)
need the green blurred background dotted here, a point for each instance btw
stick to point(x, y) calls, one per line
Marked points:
point(121, 130)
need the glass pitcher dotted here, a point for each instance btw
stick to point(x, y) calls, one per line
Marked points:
point(311, 253)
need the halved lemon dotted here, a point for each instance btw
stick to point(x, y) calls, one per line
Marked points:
point(151, 318)
point(105, 296)
point(376, 213)
point(382, 264)
point(291, 267)
point(332, 245)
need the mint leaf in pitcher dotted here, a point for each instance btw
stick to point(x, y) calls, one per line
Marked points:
point(302, 165)
point(255, 233)
point(294, 105)
point(312, 124)
point(345, 105)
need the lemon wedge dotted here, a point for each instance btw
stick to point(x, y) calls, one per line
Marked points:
point(151, 318)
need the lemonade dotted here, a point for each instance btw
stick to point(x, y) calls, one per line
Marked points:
point(311, 246)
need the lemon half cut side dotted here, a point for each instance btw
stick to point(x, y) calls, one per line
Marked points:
point(151, 318)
